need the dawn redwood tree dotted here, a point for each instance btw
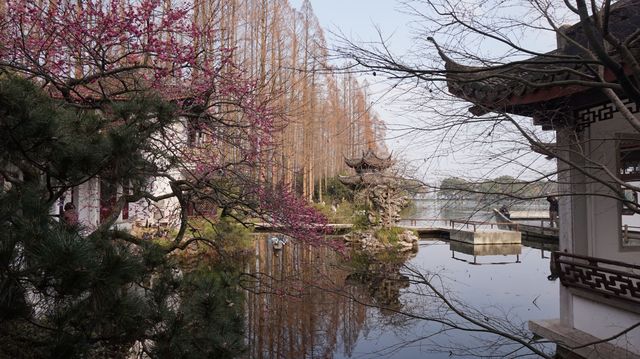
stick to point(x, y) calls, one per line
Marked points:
point(321, 117)
point(109, 89)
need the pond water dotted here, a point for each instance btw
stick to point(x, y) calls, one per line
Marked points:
point(305, 302)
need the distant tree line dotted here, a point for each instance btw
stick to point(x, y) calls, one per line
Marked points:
point(499, 188)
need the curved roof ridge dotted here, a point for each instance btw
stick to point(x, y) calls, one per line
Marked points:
point(369, 159)
point(451, 64)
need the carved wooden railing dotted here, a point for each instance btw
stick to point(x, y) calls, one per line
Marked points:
point(609, 279)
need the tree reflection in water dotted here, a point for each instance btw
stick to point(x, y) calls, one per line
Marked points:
point(306, 302)
point(381, 279)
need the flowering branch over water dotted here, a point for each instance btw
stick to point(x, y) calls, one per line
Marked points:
point(93, 54)
point(296, 218)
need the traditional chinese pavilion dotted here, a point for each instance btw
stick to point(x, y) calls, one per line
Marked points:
point(369, 170)
point(597, 150)
point(384, 191)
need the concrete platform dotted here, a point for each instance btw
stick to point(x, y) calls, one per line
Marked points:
point(573, 338)
point(486, 236)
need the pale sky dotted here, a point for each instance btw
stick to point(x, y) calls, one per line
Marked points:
point(357, 20)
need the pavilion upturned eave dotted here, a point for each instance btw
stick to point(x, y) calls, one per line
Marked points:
point(523, 87)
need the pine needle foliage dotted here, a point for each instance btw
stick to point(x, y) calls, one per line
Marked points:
point(63, 295)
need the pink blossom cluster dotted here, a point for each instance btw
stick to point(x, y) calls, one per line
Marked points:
point(94, 51)
point(296, 218)
point(70, 43)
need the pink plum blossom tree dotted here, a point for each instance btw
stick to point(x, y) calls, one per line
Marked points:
point(94, 54)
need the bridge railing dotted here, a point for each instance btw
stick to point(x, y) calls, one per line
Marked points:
point(465, 223)
point(630, 233)
point(475, 224)
point(414, 221)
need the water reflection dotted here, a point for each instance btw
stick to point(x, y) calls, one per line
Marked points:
point(545, 246)
point(299, 306)
point(382, 285)
point(304, 302)
point(511, 251)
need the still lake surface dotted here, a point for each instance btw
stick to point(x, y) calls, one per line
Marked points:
point(305, 302)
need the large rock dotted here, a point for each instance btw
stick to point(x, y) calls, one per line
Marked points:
point(408, 236)
point(367, 241)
